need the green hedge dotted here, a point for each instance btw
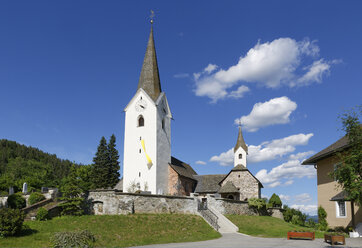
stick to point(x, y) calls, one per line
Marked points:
point(16, 201)
point(35, 197)
point(11, 221)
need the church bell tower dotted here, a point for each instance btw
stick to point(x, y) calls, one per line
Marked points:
point(240, 150)
point(147, 134)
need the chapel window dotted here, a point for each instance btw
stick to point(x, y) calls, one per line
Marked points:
point(163, 124)
point(141, 121)
point(240, 156)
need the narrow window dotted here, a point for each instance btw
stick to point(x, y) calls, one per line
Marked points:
point(140, 138)
point(140, 150)
point(238, 176)
point(141, 121)
point(163, 124)
point(240, 156)
point(139, 174)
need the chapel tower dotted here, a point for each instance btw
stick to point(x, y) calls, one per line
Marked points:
point(147, 134)
point(240, 150)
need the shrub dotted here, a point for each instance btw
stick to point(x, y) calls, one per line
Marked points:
point(296, 220)
point(35, 197)
point(275, 201)
point(322, 222)
point(16, 201)
point(42, 214)
point(11, 221)
point(82, 239)
point(258, 204)
point(311, 223)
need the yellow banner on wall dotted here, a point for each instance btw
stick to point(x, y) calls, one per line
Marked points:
point(149, 161)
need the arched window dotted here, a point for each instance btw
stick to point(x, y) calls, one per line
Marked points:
point(231, 197)
point(141, 121)
point(240, 156)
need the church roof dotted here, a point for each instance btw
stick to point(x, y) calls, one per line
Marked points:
point(239, 167)
point(208, 183)
point(228, 187)
point(240, 142)
point(182, 168)
point(149, 79)
point(339, 145)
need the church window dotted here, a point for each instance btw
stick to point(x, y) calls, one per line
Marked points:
point(231, 197)
point(240, 156)
point(140, 138)
point(141, 97)
point(139, 174)
point(163, 124)
point(238, 176)
point(141, 121)
point(140, 150)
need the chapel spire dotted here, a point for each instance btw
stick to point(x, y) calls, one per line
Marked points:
point(240, 142)
point(149, 78)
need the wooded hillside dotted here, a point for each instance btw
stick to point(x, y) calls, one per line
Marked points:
point(20, 163)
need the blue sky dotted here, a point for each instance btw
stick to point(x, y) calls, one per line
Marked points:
point(286, 69)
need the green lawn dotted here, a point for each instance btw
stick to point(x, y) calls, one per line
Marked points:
point(266, 226)
point(119, 230)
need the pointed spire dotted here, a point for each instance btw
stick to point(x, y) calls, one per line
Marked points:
point(240, 142)
point(149, 78)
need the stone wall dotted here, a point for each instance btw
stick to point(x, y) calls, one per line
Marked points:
point(113, 202)
point(226, 206)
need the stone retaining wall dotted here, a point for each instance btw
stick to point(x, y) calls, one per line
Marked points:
point(226, 206)
point(113, 202)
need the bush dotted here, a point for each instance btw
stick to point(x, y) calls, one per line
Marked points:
point(16, 201)
point(275, 201)
point(311, 223)
point(42, 214)
point(296, 220)
point(35, 197)
point(258, 204)
point(82, 239)
point(322, 222)
point(11, 221)
point(290, 212)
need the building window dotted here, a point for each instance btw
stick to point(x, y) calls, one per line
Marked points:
point(139, 174)
point(240, 156)
point(140, 150)
point(163, 124)
point(238, 176)
point(341, 209)
point(141, 121)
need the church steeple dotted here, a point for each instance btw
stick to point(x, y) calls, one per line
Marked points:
point(149, 78)
point(240, 142)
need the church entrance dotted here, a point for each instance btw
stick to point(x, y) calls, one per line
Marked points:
point(202, 205)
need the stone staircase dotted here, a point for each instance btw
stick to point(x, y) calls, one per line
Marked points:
point(216, 220)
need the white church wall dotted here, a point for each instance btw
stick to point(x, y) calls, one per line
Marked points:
point(135, 169)
point(237, 160)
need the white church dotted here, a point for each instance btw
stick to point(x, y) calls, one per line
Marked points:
point(148, 164)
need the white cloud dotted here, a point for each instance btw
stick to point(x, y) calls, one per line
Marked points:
point(267, 150)
point(309, 209)
point(239, 93)
point(273, 185)
point(289, 182)
point(210, 68)
point(302, 198)
point(274, 111)
point(225, 158)
point(270, 64)
point(287, 171)
point(270, 150)
point(284, 197)
point(200, 162)
point(181, 75)
point(301, 155)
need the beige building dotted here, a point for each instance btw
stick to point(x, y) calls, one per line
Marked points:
point(330, 195)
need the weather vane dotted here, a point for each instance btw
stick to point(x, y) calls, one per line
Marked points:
point(152, 15)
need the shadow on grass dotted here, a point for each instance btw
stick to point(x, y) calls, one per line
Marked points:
point(26, 231)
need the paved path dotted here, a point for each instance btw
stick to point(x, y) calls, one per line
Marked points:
point(241, 240)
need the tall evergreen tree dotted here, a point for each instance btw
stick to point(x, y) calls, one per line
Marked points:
point(113, 164)
point(100, 171)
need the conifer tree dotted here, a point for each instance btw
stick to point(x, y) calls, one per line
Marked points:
point(113, 164)
point(100, 171)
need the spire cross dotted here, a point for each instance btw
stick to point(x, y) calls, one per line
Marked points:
point(152, 15)
point(239, 123)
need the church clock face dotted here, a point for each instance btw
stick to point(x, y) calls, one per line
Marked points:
point(141, 105)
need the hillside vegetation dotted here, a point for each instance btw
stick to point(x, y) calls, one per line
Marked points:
point(20, 163)
point(118, 230)
point(266, 226)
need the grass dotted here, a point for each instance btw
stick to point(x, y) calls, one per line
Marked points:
point(267, 227)
point(118, 230)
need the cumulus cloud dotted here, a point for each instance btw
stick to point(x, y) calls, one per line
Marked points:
point(267, 150)
point(301, 155)
point(200, 162)
point(284, 197)
point(302, 198)
point(225, 158)
point(277, 148)
point(286, 171)
point(270, 64)
point(274, 111)
point(309, 209)
point(239, 92)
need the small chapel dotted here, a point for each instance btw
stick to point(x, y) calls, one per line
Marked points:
point(148, 165)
